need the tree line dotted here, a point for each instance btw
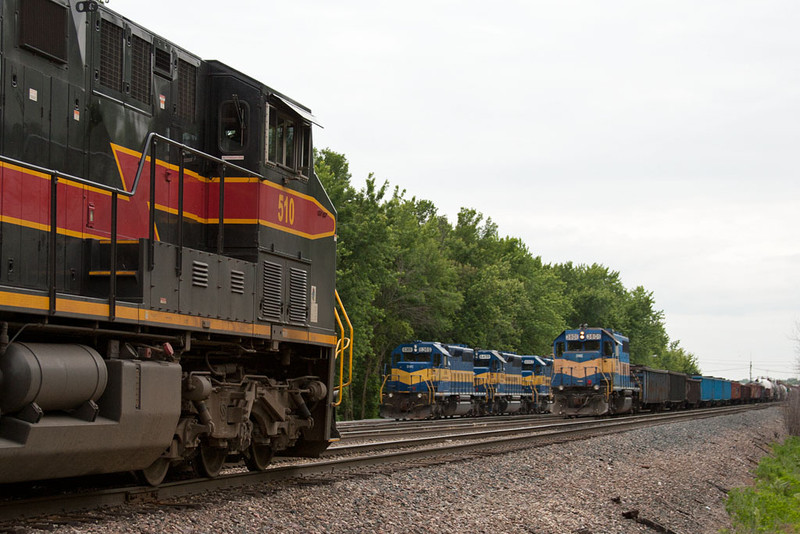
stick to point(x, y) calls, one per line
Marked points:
point(406, 273)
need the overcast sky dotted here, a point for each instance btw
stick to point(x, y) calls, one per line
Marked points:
point(659, 138)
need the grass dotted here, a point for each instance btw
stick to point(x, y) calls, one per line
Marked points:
point(773, 503)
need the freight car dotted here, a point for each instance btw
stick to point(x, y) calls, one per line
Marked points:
point(430, 380)
point(167, 256)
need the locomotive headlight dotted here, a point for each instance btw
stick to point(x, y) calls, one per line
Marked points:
point(419, 395)
point(596, 387)
point(391, 395)
point(560, 388)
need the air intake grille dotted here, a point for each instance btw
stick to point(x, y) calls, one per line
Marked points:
point(237, 282)
point(43, 28)
point(140, 70)
point(298, 291)
point(111, 55)
point(271, 296)
point(199, 274)
point(187, 90)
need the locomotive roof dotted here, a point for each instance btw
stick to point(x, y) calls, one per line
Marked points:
point(218, 66)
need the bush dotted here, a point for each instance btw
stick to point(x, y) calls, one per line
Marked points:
point(773, 504)
point(791, 412)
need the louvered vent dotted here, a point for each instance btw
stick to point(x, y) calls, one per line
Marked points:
point(298, 291)
point(199, 274)
point(237, 282)
point(163, 62)
point(271, 296)
point(111, 55)
point(140, 69)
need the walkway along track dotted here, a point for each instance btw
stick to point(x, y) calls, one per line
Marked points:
point(467, 444)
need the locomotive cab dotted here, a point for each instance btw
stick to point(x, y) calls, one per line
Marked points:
point(591, 373)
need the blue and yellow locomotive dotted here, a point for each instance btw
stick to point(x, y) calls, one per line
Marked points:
point(537, 373)
point(498, 382)
point(428, 379)
point(591, 373)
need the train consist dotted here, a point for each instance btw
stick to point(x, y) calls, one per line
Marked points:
point(592, 375)
point(167, 257)
point(431, 380)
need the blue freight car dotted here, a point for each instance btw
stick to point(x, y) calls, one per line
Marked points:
point(707, 390)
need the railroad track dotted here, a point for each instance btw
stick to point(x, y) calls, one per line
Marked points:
point(379, 430)
point(346, 457)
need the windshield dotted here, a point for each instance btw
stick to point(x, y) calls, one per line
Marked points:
point(414, 357)
point(583, 346)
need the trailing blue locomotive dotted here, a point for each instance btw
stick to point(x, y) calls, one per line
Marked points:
point(537, 373)
point(431, 380)
point(591, 373)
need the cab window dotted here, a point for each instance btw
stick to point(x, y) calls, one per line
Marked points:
point(608, 348)
point(288, 142)
point(233, 117)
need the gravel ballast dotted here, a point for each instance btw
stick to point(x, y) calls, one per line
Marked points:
point(669, 478)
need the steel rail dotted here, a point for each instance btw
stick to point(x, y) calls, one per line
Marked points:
point(15, 510)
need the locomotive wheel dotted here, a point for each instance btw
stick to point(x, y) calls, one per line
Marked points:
point(258, 457)
point(209, 460)
point(155, 474)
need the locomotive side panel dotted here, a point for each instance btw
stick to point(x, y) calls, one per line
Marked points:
point(161, 244)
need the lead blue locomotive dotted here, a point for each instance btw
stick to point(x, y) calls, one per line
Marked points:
point(430, 380)
point(591, 373)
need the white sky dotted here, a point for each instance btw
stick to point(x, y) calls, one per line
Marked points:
point(658, 138)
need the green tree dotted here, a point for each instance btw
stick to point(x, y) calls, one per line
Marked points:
point(643, 325)
point(676, 358)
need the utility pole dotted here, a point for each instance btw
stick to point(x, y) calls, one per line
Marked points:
point(751, 368)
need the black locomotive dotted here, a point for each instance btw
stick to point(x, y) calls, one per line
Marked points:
point(167, 256)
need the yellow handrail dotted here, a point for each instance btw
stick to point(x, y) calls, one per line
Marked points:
point(385, 378)
point(343, 344)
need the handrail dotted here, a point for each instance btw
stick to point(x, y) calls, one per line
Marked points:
point(385, 378)
point(431, 390)
point(343, 344)
point(54, 176)
point(148, 148)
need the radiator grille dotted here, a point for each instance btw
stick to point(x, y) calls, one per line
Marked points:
point(187, 90)
point(140, 69)
point(237, 282)
point(298, 291)
point(271, 295)
point(43, 28)
point(111, 55)
point(199, 274)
